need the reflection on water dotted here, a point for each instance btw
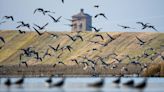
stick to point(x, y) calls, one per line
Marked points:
point(81, 84)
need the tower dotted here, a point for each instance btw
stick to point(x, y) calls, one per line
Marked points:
point(81, 22)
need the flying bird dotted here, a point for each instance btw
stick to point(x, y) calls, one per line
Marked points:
point(9, 17)
point(23, 24)
point(2, 39)
point(39, 33)
point(74, 38)
point(141, 42)
point(21, 32)
point(125, 27)
point(41, 28)
point(98, 35)
point(46, 53)
point(96, 6)
point(42, 11)
point(101, 14)
point(96, 30)
point(55, 49)
point(55, 20)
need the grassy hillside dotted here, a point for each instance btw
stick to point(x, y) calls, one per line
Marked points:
point(124, 44)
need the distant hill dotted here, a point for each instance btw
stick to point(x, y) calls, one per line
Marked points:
point(125, 43)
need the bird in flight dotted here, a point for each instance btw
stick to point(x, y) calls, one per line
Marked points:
point(55, 49)
point(99, 35)
point(9, 17)
point(39, 33)
point(23, 25)
point(125, 27)
point(42, 10)
point(63, 1)
point(2, 39)
point(55, 20)
point(74, 38)
point(96, 30)
point(141, 41)
point(41, 28)
point(21, 32)
point(101, 14)
point(96, 6)
point(146, 25)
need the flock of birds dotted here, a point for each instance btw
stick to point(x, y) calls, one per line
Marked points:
point(29, 52)
point(98, 84)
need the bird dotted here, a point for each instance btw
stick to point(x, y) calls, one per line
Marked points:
point(24, 62)
point(46, 53)
point(74, 38)
point(59, 84)
point(2, 39)
point(96, 30)
point(98, 84)
point(75, 60)
point(125, 27)
point(129, 83)
point(69, 47)
point(96, 6)
point(39, 33)
point(42, 11)
point(62, 1)
point(55, 20)
point(141, 42)
point(37, 56)
point(99, 35)
point(8, 82)
point(53, 35)
point(146, 25)
point(152, 27)
point(110, 37)
point(117, 81)
point(20, 81)
point(55, 49)
point(9, 17)
point(49, 81)
point(21, 32)
point(101, 14)
point(41, 28)
point(141, 85)
point(23, 24)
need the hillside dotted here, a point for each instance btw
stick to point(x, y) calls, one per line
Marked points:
point(125, 43)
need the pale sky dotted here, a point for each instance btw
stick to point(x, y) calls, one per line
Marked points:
point(123, 12)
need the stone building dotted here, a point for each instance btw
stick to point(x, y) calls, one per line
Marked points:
point(81, 22)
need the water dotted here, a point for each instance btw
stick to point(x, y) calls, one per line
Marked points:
point(80, 85)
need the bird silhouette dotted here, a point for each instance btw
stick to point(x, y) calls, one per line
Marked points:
point(125, 27)
point(69, 48)
point(110, 37)
point(55, 49)
point(41, 28)
point(9, 17)
point(39, 33)
point(141, 42)
point(55, 20)
point(152, 27)
point(49, 81)
point(62, 1)
point(98, 84)
point(23, 24)
point(129, 83)
point(46, 53)
point(74, 38)
point(21, 32)
point(75, 60)
point(59, 84)
point(96, 6)
point(99, 35)
point(2, 39)
point(24, 62)
point(8, 82)
point(144, 25)
point(141, 85)
point(117, 81)
point(44, 12)
point(101, 14)
point(20, 81)
point(37, 56)
point(96, 30)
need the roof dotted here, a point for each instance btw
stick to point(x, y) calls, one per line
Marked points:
point(81, 15)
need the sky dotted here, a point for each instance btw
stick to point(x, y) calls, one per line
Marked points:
point(122, 12)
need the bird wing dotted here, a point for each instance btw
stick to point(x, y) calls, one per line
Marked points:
point(70, 37)
point(2, 39)
point(80, 37)
point(37, 31)
point(52, 18)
